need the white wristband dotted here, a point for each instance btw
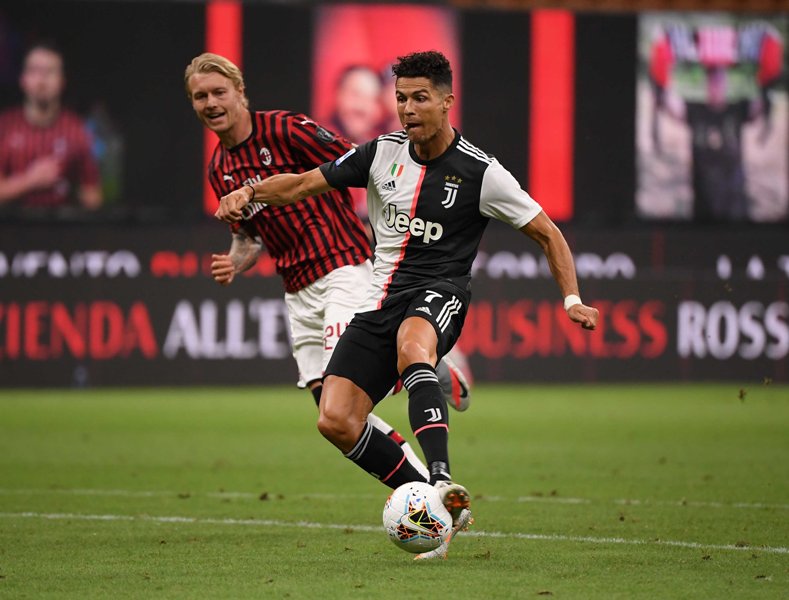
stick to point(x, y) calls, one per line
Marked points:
point(571, 300)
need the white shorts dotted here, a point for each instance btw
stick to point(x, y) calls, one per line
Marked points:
point(319, 313)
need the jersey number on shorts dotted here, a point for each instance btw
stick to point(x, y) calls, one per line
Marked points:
point(332, 334)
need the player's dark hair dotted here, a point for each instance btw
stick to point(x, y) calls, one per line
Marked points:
point(431, 64)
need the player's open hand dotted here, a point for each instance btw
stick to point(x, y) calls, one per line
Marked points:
point(585, 315)
point(231, 206)
point(222, 269)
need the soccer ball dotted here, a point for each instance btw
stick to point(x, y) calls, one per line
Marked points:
point(415, 518)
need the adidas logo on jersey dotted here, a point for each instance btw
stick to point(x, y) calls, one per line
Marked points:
point(389, 186)
point(424, 309)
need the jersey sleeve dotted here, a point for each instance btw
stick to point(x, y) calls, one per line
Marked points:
point(503, 198)
point(315, 144)
point(352, 169)
point(214, 174)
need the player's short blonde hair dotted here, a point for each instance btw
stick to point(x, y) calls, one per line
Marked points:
point(214, 63)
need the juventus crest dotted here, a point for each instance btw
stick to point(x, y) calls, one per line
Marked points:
point(451, 186)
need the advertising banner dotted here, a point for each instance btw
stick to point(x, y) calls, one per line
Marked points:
point(88, 305)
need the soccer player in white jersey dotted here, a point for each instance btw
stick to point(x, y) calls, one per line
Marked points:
point(430, 195)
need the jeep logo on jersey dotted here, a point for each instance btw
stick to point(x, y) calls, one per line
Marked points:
point(402, 223)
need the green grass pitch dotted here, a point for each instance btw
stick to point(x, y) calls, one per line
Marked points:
point(588, 491)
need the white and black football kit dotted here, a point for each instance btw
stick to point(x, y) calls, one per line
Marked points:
point(428, 218)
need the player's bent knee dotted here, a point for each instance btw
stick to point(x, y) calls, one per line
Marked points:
point(343, 412)
point(339, 429)
point(327, 427)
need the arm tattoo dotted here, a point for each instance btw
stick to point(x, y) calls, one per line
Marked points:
point(244, 251)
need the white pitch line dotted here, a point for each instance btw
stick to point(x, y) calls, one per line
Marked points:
point(252, 495)
point(370, 529)
point(757, 505)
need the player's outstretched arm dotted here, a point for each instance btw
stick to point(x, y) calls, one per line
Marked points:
point(278, 190)
point(560, 260)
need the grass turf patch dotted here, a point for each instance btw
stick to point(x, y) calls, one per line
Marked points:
point(579, 492)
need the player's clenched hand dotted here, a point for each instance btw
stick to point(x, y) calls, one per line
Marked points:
point(230, 206)
point(585, 315)
point(222, 269)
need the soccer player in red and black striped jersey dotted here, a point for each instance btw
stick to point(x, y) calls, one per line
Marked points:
point(45, 150)
point(320, 247)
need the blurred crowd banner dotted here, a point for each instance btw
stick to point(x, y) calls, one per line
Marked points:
point(108, 306)
point(353, 53)
point(550, 93)
point(712, 117)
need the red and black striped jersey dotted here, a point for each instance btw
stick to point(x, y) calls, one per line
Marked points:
point(66, 138)
point(312, 237)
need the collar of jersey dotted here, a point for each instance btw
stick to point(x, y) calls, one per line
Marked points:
point(249, 137)
point(438, 158)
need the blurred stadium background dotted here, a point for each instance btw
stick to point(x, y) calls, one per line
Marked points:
point(122, 297)
point(666, 478)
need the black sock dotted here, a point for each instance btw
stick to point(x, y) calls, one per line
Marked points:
point(316, 393)
point(427, 411)
point(383, 458)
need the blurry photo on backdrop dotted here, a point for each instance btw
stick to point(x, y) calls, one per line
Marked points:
point(353, 53)
point(54, 162)
point(711, 118)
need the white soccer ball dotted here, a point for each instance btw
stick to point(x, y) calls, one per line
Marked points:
point(415, 518)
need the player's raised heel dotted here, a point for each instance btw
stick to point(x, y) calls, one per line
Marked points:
point(454, 497)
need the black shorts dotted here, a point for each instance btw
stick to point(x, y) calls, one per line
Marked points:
point(367, 350)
